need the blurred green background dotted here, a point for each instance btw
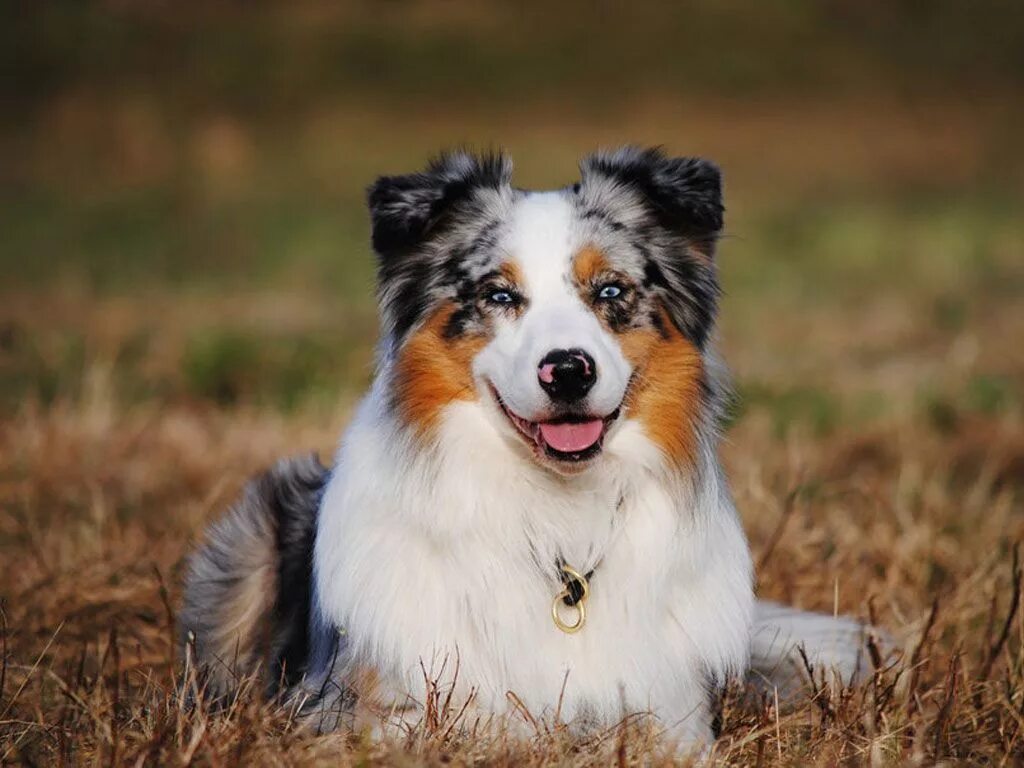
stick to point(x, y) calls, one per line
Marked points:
point(181, 184)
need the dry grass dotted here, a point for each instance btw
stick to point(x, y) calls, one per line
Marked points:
point(911, 516)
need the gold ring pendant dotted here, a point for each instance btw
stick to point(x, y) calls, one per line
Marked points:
point(580, 606)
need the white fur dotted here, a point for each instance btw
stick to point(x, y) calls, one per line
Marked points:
point(430, 553)
point(440, 553)
point(833, 646)
point(542, 241)
point(427, 556)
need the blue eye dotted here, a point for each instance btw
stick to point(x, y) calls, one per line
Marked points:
point(610, 291)
point(502, 297)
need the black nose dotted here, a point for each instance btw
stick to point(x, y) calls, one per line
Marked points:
point(567, 374)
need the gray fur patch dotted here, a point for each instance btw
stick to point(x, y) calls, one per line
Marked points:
point(434, 233)
point(247, 588)
point(658, 219)
point(437, 234)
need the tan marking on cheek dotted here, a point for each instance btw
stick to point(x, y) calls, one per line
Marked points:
point(433, 371)
point(513, 273)
point(665, 396)
point(587, 264)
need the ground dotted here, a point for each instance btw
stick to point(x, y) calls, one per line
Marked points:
point(187, 296)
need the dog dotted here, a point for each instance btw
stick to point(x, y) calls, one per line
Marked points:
point(527, 512)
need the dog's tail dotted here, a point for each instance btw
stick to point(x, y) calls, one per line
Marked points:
point(793, 650)
point(248, 587)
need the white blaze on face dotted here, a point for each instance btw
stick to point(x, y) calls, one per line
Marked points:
point(544, 237)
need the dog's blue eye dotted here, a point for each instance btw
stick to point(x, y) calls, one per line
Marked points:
point(502, 297)
point(610, 291)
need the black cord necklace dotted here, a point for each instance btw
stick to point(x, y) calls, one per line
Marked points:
point(576, 585)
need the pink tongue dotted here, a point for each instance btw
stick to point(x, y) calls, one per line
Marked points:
point(572, 438)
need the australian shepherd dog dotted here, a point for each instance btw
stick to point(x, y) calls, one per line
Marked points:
point(527, 511)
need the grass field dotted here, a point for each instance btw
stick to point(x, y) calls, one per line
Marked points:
point(186, 295)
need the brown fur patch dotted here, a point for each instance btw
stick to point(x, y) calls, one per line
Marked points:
point(433, 371)
point(510, 271)
point(665, 395)
point(666, 391)
point(587, 264)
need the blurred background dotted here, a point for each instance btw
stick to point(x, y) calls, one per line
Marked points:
point(186, 295)
point(181, 184)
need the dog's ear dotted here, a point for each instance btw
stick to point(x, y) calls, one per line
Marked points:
point(684, 194)
point(407, 210)
point(409, 213)
point(672, 207)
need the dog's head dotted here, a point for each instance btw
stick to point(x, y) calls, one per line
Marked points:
point(562, 314)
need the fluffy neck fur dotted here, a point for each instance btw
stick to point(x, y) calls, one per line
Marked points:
point(477, 528)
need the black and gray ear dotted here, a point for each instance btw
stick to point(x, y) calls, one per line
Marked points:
point(411, 212)
point(684, 194)
point(672, 208)
point(407, 210)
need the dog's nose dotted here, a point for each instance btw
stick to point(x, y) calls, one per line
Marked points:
point(567, 374)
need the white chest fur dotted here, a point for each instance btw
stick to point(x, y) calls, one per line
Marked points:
point(440, 560)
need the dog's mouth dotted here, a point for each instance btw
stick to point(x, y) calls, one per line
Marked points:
point(569, 439)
